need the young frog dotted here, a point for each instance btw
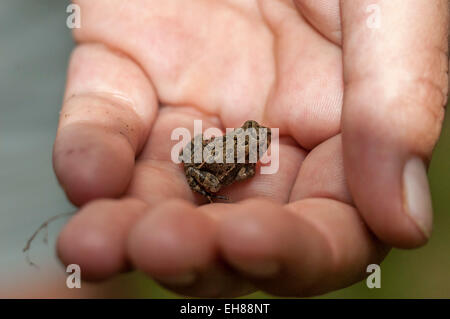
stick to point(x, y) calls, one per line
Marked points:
point(224, 159)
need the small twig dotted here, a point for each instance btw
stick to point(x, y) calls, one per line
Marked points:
point(45, 227)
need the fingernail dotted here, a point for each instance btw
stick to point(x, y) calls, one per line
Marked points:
point(259, 269)
point(185, 279)
point(416, 192)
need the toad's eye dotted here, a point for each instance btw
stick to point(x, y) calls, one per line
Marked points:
point(250, 124)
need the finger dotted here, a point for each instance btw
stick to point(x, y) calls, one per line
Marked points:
point(324, 16)
point(108, 109)
point(176, 244)
point(95, 238)
point(305, 248)
point(322, 174)
point(395, 70)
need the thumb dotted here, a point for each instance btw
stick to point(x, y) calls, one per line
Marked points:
point(396, 83)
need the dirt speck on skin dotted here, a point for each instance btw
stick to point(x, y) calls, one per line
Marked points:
point(122, 133)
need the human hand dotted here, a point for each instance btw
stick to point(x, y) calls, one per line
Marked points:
point(338, 200)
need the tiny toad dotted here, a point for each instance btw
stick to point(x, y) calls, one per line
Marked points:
point(224, 163)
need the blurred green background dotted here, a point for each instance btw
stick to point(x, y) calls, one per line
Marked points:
point(34, 51)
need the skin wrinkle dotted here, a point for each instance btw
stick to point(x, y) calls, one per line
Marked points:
point(290, 142)
point(118, 103)
point(192, 110)
point(121, 54)
point(273, 86)
point(116, 95)
point(337, 33)
point(329, 248)
point(445, 69)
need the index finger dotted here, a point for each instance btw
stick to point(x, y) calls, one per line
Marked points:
point(108, 109)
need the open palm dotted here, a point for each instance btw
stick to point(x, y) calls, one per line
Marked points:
point(144, 68)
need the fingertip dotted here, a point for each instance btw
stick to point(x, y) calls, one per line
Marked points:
point(95, 238)
point(172, 242)
point(91, 162)
point(91, 251)
point(250, 238)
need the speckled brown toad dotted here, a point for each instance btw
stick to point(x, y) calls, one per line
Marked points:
point(226, 159)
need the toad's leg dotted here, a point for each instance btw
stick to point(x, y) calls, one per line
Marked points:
point(246, 172)
point(208, 181)
point(195, 186)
